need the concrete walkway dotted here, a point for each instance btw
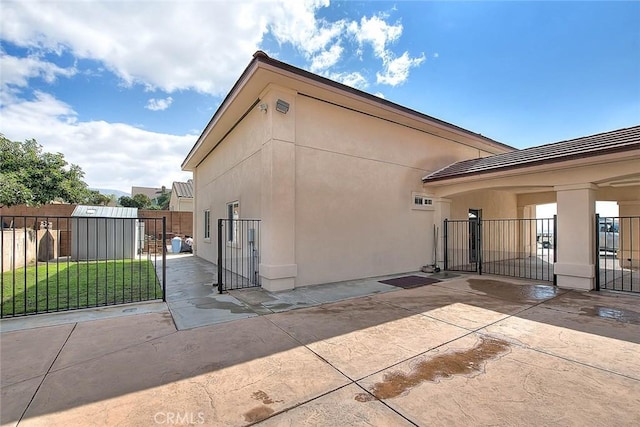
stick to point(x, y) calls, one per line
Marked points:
point(472, 350)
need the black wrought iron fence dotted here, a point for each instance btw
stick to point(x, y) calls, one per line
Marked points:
point(523, 248)
point(238, 253)
point(54, 264)
point(618, 253)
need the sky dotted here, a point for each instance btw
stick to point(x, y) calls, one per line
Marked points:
point(124, 88)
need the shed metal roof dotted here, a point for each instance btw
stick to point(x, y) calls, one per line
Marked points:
point(183, 189)
point(104, 212)
point(626, 139)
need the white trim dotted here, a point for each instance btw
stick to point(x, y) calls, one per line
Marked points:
point(422, 202)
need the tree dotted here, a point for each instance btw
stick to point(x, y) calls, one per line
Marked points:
point(30, 176)
point(162, 201)
point(97, 199)
point(139, 201)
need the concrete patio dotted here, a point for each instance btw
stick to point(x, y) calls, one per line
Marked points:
point(469, 350)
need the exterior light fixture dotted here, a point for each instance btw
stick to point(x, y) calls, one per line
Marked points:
point(282, 106)
point(263, 107)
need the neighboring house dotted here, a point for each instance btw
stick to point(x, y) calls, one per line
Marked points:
point(150, 192)
point(349, 185)
point(181, 196)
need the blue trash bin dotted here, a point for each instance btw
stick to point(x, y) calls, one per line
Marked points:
point(176, 244)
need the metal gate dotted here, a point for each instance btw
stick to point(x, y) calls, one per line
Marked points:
point(523, 248)
point(238, 253)
point(61, 263)
point(618, 253)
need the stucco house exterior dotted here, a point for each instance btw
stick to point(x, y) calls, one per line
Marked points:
point(181, 196)
point(150, 192)
point(349, 185)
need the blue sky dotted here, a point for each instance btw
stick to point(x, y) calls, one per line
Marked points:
point(124, 88)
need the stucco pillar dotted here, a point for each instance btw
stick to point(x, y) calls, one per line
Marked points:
point(629, 250)
point(278, 268)
point(443, 211)
point(528, 243)
point(575, 268)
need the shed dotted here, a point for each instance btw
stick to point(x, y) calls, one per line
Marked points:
point(104, 232)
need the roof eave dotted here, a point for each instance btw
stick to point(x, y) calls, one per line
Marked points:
point(226, 102)
point(261, 60)
point(552, 163)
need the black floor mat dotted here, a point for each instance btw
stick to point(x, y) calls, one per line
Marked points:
point(408, 282)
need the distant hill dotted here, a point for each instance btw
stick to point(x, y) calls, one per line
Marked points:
point(108, 192)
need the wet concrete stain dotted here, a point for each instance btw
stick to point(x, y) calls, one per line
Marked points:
point(209, 303)
point(513, 292)
point(264, 398)
point(258, 413)
point(167, 318)
point(444, 275)
point(617, 314)
point(447, 365)
point(276, 307)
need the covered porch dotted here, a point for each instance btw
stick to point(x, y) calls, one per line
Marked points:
point(573, 174)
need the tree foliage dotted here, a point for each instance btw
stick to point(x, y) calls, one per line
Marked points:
point(97, 199)
point(30, 176)
point(139, 201)
point(162, 201)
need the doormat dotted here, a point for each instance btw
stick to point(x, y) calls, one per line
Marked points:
point(408, 282)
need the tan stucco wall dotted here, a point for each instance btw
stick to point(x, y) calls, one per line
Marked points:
point(494, 204)
point(506, 238)
point(180, 204)
point(629, 253)
point(352, 179)
point(234, 173)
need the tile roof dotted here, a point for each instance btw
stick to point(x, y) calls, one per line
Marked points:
point(626, 139)
point(183, 189)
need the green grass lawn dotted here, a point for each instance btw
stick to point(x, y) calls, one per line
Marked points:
point(63, 285)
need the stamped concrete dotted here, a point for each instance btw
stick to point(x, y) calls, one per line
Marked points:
point(469, 350)
point(339, 408)
point(516, 386)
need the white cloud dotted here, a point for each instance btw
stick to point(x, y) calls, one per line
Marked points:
point(353, 79)
point(112, 155)
point(379, 95)
point(376, 32)
point(184, 45)
point(17, 71)
point(296, 23)
point(158, 104)
point(326, 59)
point(396, 71)
point(379, 34)
point(169, 45)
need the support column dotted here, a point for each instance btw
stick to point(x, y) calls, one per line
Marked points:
point(528, 243)
point(278, 268)
point(443, 211)
point(575, 267)
point(629, 250)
